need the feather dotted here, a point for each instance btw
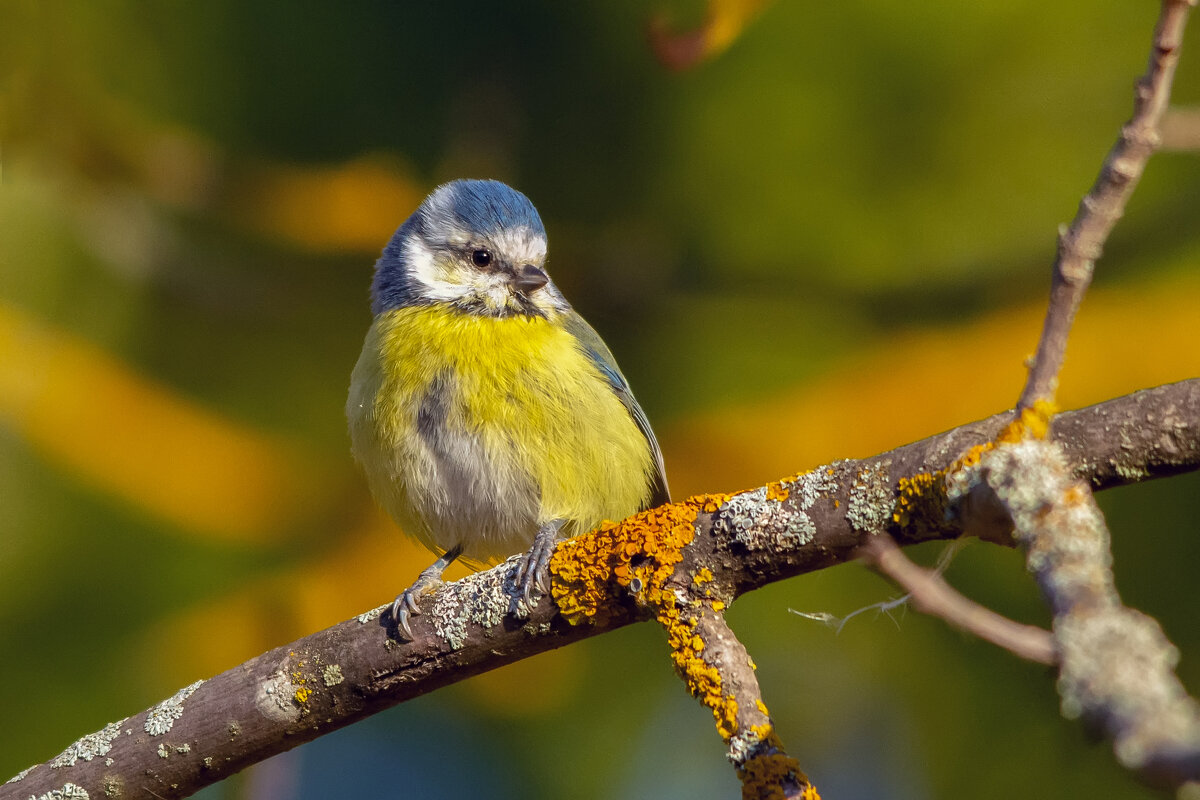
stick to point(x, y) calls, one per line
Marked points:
point(596, 350)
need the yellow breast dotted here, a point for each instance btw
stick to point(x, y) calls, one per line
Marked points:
point(485, 428)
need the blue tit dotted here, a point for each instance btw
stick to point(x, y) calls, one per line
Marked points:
point(487, 415)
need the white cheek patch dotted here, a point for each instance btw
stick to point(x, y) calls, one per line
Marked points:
point(437, 281)
point(438, 277)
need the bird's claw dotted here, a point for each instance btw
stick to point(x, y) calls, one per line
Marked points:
point(533, 571)
point(429, 579)
point(406, 606)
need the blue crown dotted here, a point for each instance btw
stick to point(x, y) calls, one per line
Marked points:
point(471, 208)
point(479, 207)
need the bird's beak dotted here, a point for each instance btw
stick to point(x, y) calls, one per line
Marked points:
point(529, 279)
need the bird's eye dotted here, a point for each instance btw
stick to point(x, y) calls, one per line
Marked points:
point(481, 257)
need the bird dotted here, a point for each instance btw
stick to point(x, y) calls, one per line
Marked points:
point(488, 417)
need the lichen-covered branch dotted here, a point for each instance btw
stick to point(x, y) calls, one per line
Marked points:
point(726, 670)
point(715, 547)
point(1116, 666)
point(1080, 244)
point(649, 560)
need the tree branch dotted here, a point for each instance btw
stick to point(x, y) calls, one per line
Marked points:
point(755, 750)
point(930, 594)
point(1080, 245)
point(1116, 664)
point(601, 581)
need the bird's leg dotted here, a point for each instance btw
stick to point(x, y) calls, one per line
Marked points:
point(429, 579)
point(534, 567)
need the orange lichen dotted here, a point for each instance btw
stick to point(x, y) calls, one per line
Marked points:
point(299, 680)
point(702, 679)
point(969, 458)
point(764, 774)
point(778, 490)
point(589, 570)
point(921, 497)
point(638, 556)
point(701, 583)
point(1076, 494)
point(710, 503)
point(1033, 423)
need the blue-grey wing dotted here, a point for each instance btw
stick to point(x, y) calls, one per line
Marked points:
point(602, 357)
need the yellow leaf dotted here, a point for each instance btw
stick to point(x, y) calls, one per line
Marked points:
point(122, 433)
point(353, 206)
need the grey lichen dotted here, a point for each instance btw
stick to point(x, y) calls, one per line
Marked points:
point(373, 614)
point(762, 519)
point(69, 791)
point(275, 698)
point(1131, 473)
point(332, 675)
point(20, 776)
point(812, 486)
point(872, 498)
point(742, 746)
point(163, 751)
point(449, 616)
point(90, 746)
point(1134, 688)
point(163, 716)
point(739, 519)
point(541, 629)
point(483, 599)
point(959, 484)
point(112, 785)
point(1117, 666)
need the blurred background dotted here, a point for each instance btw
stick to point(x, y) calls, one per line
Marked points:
point(807, 230)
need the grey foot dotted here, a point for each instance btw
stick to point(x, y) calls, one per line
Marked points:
point(534, 569)
point(429, 580)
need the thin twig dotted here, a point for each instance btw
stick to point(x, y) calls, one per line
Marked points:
point(1080, 245)
point(930, 594)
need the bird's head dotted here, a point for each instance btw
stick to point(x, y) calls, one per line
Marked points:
point(477, 245)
